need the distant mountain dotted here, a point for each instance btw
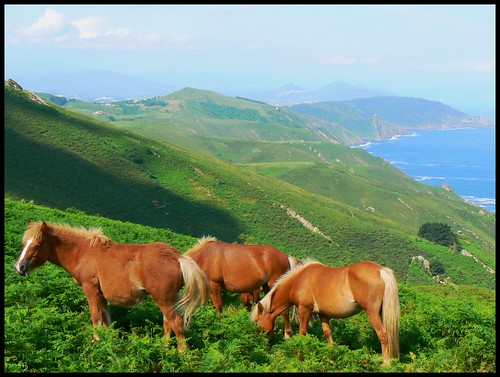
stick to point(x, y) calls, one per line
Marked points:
point(292, 94)
point(206, 114)
point(382, 117)
point(108, 86)
point(97, 85)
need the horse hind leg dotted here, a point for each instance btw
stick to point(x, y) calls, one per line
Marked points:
point(379, 327)
point(172, 321)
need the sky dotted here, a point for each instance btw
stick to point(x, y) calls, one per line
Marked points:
point(444, 53)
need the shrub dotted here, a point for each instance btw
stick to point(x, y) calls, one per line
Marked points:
point(439, 233)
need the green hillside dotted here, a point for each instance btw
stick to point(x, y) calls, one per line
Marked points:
point(62, 159)
point(217, 125)
point(201, 113)
point(382, 117)
point(315, 164)
point(443, 328)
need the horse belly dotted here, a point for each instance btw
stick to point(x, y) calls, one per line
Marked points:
point(334, 302)
point(242, 286)
point(241, 279)
point(125, 297)
point(125, 291)
point(341, 309)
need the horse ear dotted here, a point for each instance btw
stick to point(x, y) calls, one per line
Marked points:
point(43, 228)
point(29, 222)
point(260, 307)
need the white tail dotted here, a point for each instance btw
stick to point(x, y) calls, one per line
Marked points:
point(390, 312)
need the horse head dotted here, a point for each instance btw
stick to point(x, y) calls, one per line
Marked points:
point(263, 319)
point(36, 249)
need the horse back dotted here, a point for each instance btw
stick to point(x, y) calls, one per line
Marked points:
point(241, 267)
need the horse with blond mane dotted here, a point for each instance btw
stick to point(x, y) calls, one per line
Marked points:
point(123, 274)
point(336, 292)
point(243, 269)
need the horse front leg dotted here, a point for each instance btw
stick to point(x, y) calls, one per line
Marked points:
point(246, 300)
point(216, 296)
point(304, 315)
point(98, 306)
point(327, 330)
point(287, 326)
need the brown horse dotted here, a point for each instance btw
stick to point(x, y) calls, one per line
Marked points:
point(240, 268)
point(336, 292)
point(119, 273)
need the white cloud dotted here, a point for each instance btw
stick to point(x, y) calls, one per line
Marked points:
point(89, 27)
point(52, 26)
point(95, 33)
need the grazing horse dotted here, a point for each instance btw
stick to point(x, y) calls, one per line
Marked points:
point(243, 269)
point(123, 274)
point(336, 292)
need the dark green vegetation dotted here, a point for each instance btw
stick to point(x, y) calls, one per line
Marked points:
point(443, 328)
point(308, 198)
point(437, 232)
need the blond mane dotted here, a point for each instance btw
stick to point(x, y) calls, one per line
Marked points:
point(95, 235)
point(266, 301)
point(201, 243)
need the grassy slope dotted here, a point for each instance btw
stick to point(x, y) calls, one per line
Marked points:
point(61, 159)
point(48, 326)
point(212, 124)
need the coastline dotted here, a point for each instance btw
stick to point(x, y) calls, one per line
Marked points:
point(465, 163)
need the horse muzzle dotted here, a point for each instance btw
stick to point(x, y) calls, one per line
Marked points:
point(23, 268)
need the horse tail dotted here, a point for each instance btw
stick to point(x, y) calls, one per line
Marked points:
point(390, 312)
point(196, 288)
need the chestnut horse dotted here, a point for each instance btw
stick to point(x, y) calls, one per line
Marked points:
point(336, 292)
point(123, 274)
point(243, 269)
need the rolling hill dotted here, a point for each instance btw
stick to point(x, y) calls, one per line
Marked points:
point(382, 117)
point(62, 159)
point(279, 142)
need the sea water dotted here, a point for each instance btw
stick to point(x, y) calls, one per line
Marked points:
point(464, 159)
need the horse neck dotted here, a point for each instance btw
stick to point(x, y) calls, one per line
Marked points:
point(280, 300)
point(63, 249)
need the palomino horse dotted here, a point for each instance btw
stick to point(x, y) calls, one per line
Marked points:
point(336, 292)
point(240, 268)
point(119, 273)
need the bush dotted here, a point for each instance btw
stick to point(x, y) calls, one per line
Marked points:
point(439, 233)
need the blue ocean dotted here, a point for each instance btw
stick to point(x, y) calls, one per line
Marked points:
point(463, 158)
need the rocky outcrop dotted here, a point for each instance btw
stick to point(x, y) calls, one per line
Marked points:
point(446, 187)
point(14, 85)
